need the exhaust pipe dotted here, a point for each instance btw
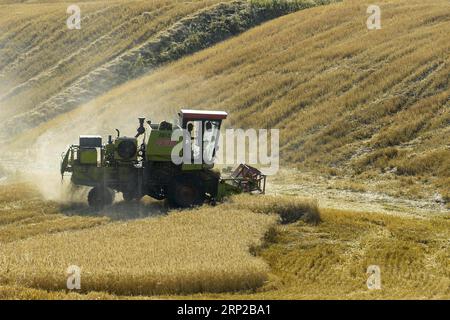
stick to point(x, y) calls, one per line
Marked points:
point(141, 129)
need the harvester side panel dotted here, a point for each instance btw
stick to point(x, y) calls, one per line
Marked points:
point(160, 145)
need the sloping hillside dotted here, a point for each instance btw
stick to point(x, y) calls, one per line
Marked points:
point(345, 97)
point(47, 69)
point(40, 56)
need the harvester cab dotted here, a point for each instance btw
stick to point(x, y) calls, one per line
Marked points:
point(149, 168)
point(203, 128)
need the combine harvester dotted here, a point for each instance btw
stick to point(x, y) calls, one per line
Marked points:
point(123, 165)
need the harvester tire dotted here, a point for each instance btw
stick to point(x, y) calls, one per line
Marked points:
point(186, 191)
point(99, 197)
point(128, 196)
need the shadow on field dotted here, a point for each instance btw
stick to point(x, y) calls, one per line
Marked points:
point(120, 210)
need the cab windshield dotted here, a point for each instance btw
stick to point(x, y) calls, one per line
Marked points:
point(210, 140)
point(204, 135)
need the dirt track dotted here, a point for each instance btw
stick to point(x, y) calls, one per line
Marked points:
point(323, 189)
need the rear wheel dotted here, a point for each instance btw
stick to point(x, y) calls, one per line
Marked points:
point(186, 191)
point(99, 197)
point(128, 196)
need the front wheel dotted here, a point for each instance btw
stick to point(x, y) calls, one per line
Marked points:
point(99, 197)
point(128, 196)
point(186, 191)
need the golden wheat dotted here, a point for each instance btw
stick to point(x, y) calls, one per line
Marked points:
point(207, 250)
point(40, 56)
point(201, 250)
point(341, 95)
point(330, 260)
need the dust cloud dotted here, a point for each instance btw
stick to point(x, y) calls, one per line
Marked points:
point(38, 162)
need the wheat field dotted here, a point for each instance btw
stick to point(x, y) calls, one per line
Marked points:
point(360, 104)
point(201, 250)
point(232, 251)
point(40, 56)
point(330, 260)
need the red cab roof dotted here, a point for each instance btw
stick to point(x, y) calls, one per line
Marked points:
point(189, 114)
